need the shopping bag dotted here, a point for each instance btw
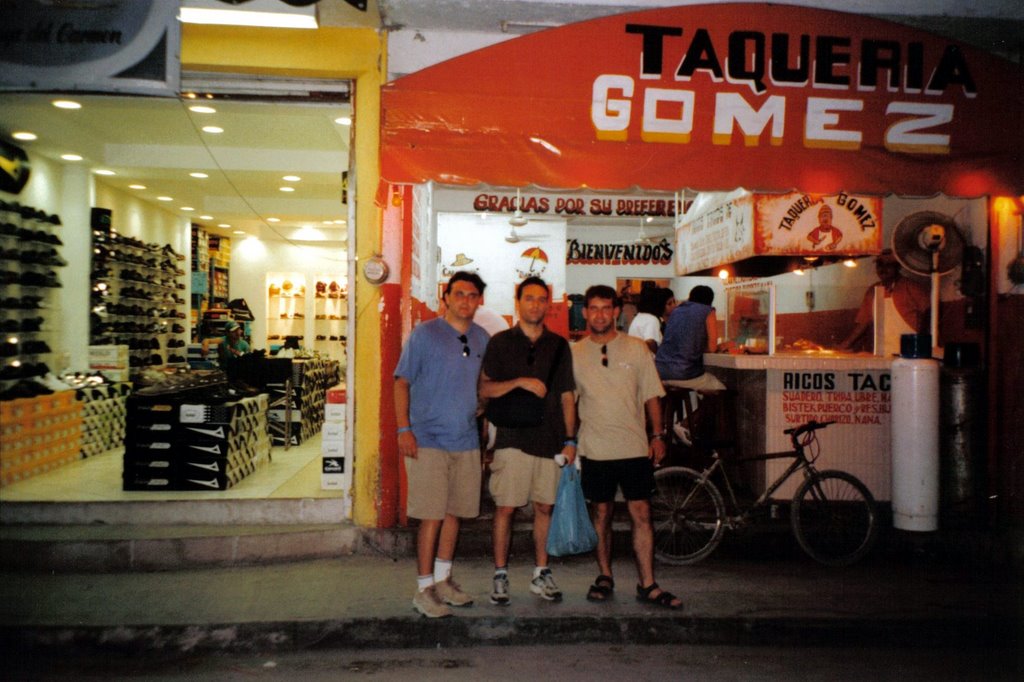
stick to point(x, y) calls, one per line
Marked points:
point(571, 531)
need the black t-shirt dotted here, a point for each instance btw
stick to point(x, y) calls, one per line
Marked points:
point(508, 356)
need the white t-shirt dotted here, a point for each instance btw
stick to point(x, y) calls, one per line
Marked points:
point(646, 327)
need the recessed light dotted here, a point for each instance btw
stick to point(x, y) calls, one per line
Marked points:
point(344, 120)
point(165, 198)
point(238, 232)
point(291, 178)
point(24, 135)
point(104, 171)
point(136, 187)
point(287, 189)
point(71, 157)
point(206, 217)
point(199, 175)
point(66, 104)
point(202, 109)
point(223, 225)
point(189, 95)
point(213, 129)
point(187, 208)
point(273, 220)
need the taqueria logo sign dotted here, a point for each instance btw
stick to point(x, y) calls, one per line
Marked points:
point(833, 69)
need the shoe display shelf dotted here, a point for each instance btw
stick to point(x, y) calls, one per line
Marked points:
point(38, 435)
point(297, 416)
point(330, 317)
point(286, 308)
point(183, 441)
point(138, 300)
point(30, 261)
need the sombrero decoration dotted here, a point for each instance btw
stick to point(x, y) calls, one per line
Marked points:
point(460, 260)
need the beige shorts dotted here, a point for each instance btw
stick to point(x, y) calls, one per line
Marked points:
point(705, 383)
point(443, 482)
point(518, 478)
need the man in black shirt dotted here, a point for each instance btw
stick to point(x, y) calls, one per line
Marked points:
point(530, 358)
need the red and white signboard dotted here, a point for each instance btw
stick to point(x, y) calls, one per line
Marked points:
point(804, 225)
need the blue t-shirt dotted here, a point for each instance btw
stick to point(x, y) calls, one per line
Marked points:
point(681, 353)
point(443, 384)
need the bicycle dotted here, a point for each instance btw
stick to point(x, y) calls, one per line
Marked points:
point(833, 515)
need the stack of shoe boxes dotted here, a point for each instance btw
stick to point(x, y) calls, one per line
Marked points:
point(175, 442)
point(304, 410)
point(103, 417)
point(336, 470)
point(38, 434)
point(110, 361)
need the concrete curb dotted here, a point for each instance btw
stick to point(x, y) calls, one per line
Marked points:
point(417, 632)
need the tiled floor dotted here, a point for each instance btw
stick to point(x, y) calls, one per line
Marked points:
point(294, 473)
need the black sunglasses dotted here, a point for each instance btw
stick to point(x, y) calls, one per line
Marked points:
point(465, 345)
point(604, 355)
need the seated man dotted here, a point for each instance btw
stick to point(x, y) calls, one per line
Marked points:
point(231, 346)
point(691, 331)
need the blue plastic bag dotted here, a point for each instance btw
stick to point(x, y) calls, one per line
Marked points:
point(571, 531)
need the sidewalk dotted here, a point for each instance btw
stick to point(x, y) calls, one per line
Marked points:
point(365, 601)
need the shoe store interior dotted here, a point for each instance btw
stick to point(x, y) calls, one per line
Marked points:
point(175, 309)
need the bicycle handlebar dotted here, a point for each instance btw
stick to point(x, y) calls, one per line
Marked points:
point(804, 428)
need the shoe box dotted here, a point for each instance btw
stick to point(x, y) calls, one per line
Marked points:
point(104, 416)
point(38, 435)
point(175, 443)
point(336, 470)
point(310, 381)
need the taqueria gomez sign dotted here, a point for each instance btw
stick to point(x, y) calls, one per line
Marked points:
point(771, 97)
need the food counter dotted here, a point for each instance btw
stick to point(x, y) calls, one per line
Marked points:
point(770, 393)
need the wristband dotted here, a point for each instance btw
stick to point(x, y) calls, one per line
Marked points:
point(569, 441)
point(659, 436)
point(404, 429)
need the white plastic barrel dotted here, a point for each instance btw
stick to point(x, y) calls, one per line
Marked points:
point(915, 443)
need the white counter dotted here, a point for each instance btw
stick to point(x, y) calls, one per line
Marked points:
point(797, 360)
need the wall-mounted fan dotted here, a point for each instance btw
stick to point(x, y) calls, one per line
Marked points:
point(929, 243)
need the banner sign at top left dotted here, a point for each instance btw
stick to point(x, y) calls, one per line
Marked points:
point(122, 46)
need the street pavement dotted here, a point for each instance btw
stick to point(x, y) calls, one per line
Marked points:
point(738, 598)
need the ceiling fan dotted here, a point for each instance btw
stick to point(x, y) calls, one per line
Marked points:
point(643, 236)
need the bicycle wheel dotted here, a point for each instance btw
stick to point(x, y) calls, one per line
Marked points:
point(834, 518)
point(688, 516)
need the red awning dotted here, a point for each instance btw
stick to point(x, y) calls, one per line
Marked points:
point(715, 97)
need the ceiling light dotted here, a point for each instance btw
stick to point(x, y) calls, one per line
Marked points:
point(213, 129)
point(104, 171)
point(265, 13)
point(71, 157)
point(187, 208)
point(165, 199)
point(273, 220)
point(206, 217)
point(287, 189)
point(223, 225)
point(344, 120)
point(291, 178)
point(850, 263)
point(66, 104)
point(202, 109)
point(238, 232)
point(199, 175)
point(136, 187)
point(23, 135)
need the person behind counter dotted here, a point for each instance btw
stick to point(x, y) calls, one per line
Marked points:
point(231, 346)
point(907, 306)
point(655, 307)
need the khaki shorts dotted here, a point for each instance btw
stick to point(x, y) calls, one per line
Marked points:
point(705, 383)
point(518, 478)
point(443, 482)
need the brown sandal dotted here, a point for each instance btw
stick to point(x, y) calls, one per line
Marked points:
point(602, 589)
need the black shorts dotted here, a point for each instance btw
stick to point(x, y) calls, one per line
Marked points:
point(601, 478)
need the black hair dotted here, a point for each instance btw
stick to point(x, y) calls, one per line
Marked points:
point(531, 280)
point(653, 301)
point(602, 291)
point(464, 276)
point(702, 294)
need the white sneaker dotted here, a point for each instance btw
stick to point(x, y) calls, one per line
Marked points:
point(429, 604)
point(499, 595)
point(544, 585)
point(448, 591)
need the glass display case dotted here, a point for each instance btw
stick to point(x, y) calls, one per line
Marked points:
point(750, 317)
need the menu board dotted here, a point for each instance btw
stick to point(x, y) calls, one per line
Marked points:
point(720, 232)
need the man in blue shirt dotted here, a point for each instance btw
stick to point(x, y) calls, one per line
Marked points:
point(691, 331)
point(436, 410)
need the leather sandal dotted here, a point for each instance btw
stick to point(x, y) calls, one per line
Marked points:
point(663, 598)
point(602, 589)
